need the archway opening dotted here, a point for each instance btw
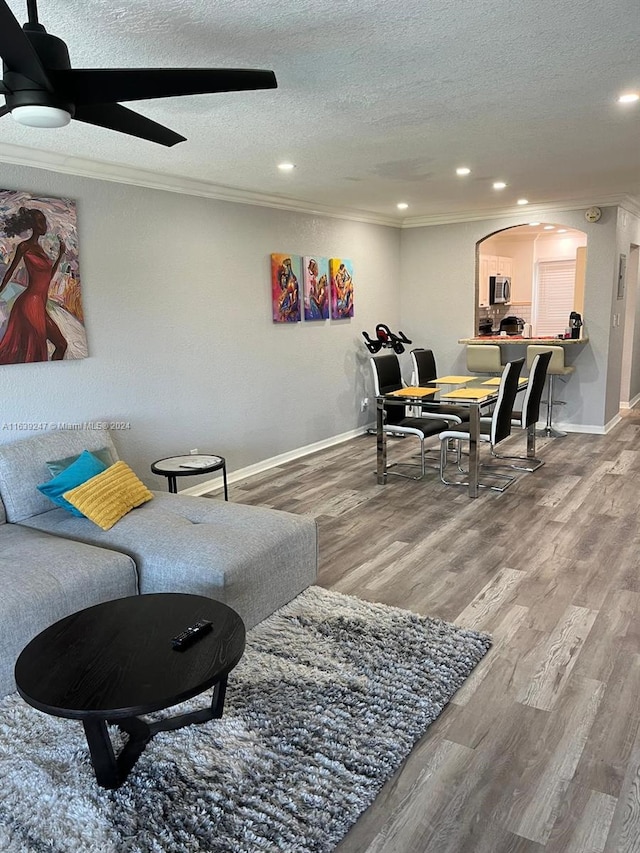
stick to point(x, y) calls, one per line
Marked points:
point(534, 273)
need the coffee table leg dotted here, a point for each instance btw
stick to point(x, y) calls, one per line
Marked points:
point(102, 755)
point(217, 700)
point(110, 771)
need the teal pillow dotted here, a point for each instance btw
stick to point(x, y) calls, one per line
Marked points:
point(84, 468)
point(58, 465)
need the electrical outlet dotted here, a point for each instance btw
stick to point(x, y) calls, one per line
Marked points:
point(364, 404)
point(194, 451)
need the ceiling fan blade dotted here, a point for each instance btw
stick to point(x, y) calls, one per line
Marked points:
point(110, 85)
point(17, 51)
point(115, 117)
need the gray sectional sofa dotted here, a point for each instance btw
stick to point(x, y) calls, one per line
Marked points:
point(53, 563)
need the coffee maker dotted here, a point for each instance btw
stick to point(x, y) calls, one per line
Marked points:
point(575, 322)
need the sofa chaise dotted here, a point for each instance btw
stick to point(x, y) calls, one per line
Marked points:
point(53, 563)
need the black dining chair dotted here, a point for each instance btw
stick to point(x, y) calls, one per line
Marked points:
point(387, 377)
point(492, 430)
point(528, 417)
point(424, 371)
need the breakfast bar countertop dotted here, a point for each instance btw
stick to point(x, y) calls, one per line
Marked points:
point(518, 339)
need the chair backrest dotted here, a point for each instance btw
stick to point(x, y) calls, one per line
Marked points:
point(424, 366)
point(556, 363)
point(501, 417)
point(387, 375)
point(484, 358)
point(533, 394)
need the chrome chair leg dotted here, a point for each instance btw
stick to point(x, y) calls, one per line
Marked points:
point(422, 466)
point(443, 464)
point(534, 462)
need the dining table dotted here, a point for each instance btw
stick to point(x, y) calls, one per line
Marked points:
point(475, 393)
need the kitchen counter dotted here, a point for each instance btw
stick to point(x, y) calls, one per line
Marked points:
point(518, 339)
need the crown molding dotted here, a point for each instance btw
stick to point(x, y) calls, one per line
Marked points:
point(631, 204)
point(528, 211)
point(104, 171)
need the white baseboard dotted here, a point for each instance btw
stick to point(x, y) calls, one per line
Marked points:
point(590, 429)
point(632, 403)
point(251, 470)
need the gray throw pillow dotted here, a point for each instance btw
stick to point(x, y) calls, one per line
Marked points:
point(59, 465)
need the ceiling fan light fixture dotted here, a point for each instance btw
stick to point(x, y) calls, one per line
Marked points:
point(36, 115)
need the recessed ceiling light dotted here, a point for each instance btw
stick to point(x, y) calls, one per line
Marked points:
point(499, 185)
point(534, 224)
point(562, 230)
point(402, 205)
point(286, 167)
point(549, 227)
point(463, 170)
point(523, 201)
point(629, 98)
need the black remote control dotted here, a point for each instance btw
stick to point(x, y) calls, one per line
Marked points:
point(191, 634)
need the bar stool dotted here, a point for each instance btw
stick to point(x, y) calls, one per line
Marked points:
point(556, 367)
point(484, 358)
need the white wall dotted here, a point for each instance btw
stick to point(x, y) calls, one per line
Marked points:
point(438, 275)
point(176, 293)
point(557, 248)
point(630, 379)
point(628, 234)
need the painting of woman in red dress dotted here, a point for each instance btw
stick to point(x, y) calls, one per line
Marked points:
point(40, 278)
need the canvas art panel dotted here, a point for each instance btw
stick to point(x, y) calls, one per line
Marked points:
point(41, 317)
point(286, 275)
point(316, 287)
point(341, 271)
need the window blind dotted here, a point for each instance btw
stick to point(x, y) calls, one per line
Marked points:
point(554, 294)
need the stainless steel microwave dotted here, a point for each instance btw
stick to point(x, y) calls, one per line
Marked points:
point(499, 289)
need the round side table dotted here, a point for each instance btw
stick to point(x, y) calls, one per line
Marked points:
point(188, 466)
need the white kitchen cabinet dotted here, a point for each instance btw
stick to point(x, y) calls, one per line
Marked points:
point(491, 265)
point(505, 266)
point(483, 281)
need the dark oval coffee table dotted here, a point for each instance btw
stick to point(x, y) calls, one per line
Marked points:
point(114, 661)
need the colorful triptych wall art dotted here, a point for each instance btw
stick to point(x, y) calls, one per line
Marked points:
point(316, 288)
point(41, 315)
point(341, 271)
point(323, 285)
point(286, 275)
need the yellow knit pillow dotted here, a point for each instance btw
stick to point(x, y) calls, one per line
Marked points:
point(106, 497)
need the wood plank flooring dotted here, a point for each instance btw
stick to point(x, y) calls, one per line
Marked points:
point(540, 749)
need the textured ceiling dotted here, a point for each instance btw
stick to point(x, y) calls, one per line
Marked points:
point(378, 102)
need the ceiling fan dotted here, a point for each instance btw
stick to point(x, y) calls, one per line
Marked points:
point(42, 90)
